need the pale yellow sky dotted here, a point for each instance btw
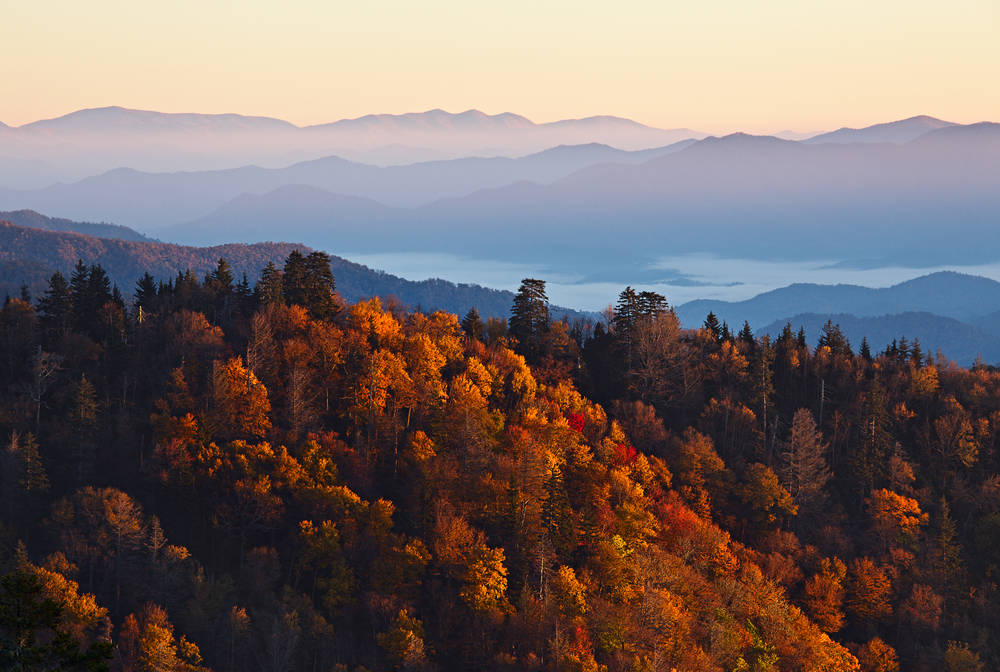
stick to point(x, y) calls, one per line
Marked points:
point(715, 66)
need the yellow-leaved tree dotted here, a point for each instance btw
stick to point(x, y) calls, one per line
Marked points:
point(485, 588)
point(147, 644)
point(240, 407)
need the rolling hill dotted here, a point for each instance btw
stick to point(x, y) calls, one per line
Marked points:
point(38, 221)
point(30, 255)
point(949, 294)
point(958, 341)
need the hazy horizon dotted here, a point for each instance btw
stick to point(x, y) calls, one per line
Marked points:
point(721, 278)
point(718, 68)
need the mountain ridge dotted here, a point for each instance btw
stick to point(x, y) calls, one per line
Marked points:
point(30, 218)
point(958, 341)
point(151, 200)
point(946, 293)
point(897, 132)
point(30, 255)
point(741, 196)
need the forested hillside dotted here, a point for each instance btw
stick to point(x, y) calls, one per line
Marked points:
point(29, 255)
point(272, 478)
point(958, 341)
point(126, 260)
point(103, 230)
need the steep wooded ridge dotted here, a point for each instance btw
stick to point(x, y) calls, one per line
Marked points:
point(126, 260)
point(103, 230)
point(29, 255)
point(232, 477)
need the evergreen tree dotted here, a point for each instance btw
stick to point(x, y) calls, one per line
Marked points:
point(633, 311)
point(727, 335)
point(80, 291)
point(873, 443)
point(145, 292)
point(472, 325)
point(308, 282)
point(56, 307)
point(916, 353)
point(91, 289)
point(25, 293)
point(948, 556)
point(626, 313)
point(623, 323)
point(293, 279)
point(24, 614)
point(762, 385)
point(865, 351)
point(84, 424)
point(904, 349)
point(22, 477)
point(651, 305)
point(557, 515)
point(222, 277)
point(892, 350)
point(244, 294)
point(835, 339)
point(786, 340)
point(320, 286)
point(270, 286)
point(98, 288)
point(746, 336)
point(529, 318)
point(713, 327)
point(187, 290)
point(117, 299)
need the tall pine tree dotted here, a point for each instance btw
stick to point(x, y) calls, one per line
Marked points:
point(529, 318)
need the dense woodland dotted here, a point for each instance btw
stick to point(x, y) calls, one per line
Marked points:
point(221, 476)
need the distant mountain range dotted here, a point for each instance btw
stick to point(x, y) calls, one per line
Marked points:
point(91, 142)
point(741, 196)
point(589, 209)
point(442, 130)
point(151, 200)
point(949, 294)
point(954, 312)
point(896, 132)
point(958, 341)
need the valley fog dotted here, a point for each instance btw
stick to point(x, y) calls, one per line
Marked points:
point(685, 278)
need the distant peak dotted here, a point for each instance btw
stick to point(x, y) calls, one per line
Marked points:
point(742, 138)
point(897, 132)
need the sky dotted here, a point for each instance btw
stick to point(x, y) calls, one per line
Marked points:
point(718, 67)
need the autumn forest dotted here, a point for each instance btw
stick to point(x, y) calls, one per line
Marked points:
point(207, 473)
